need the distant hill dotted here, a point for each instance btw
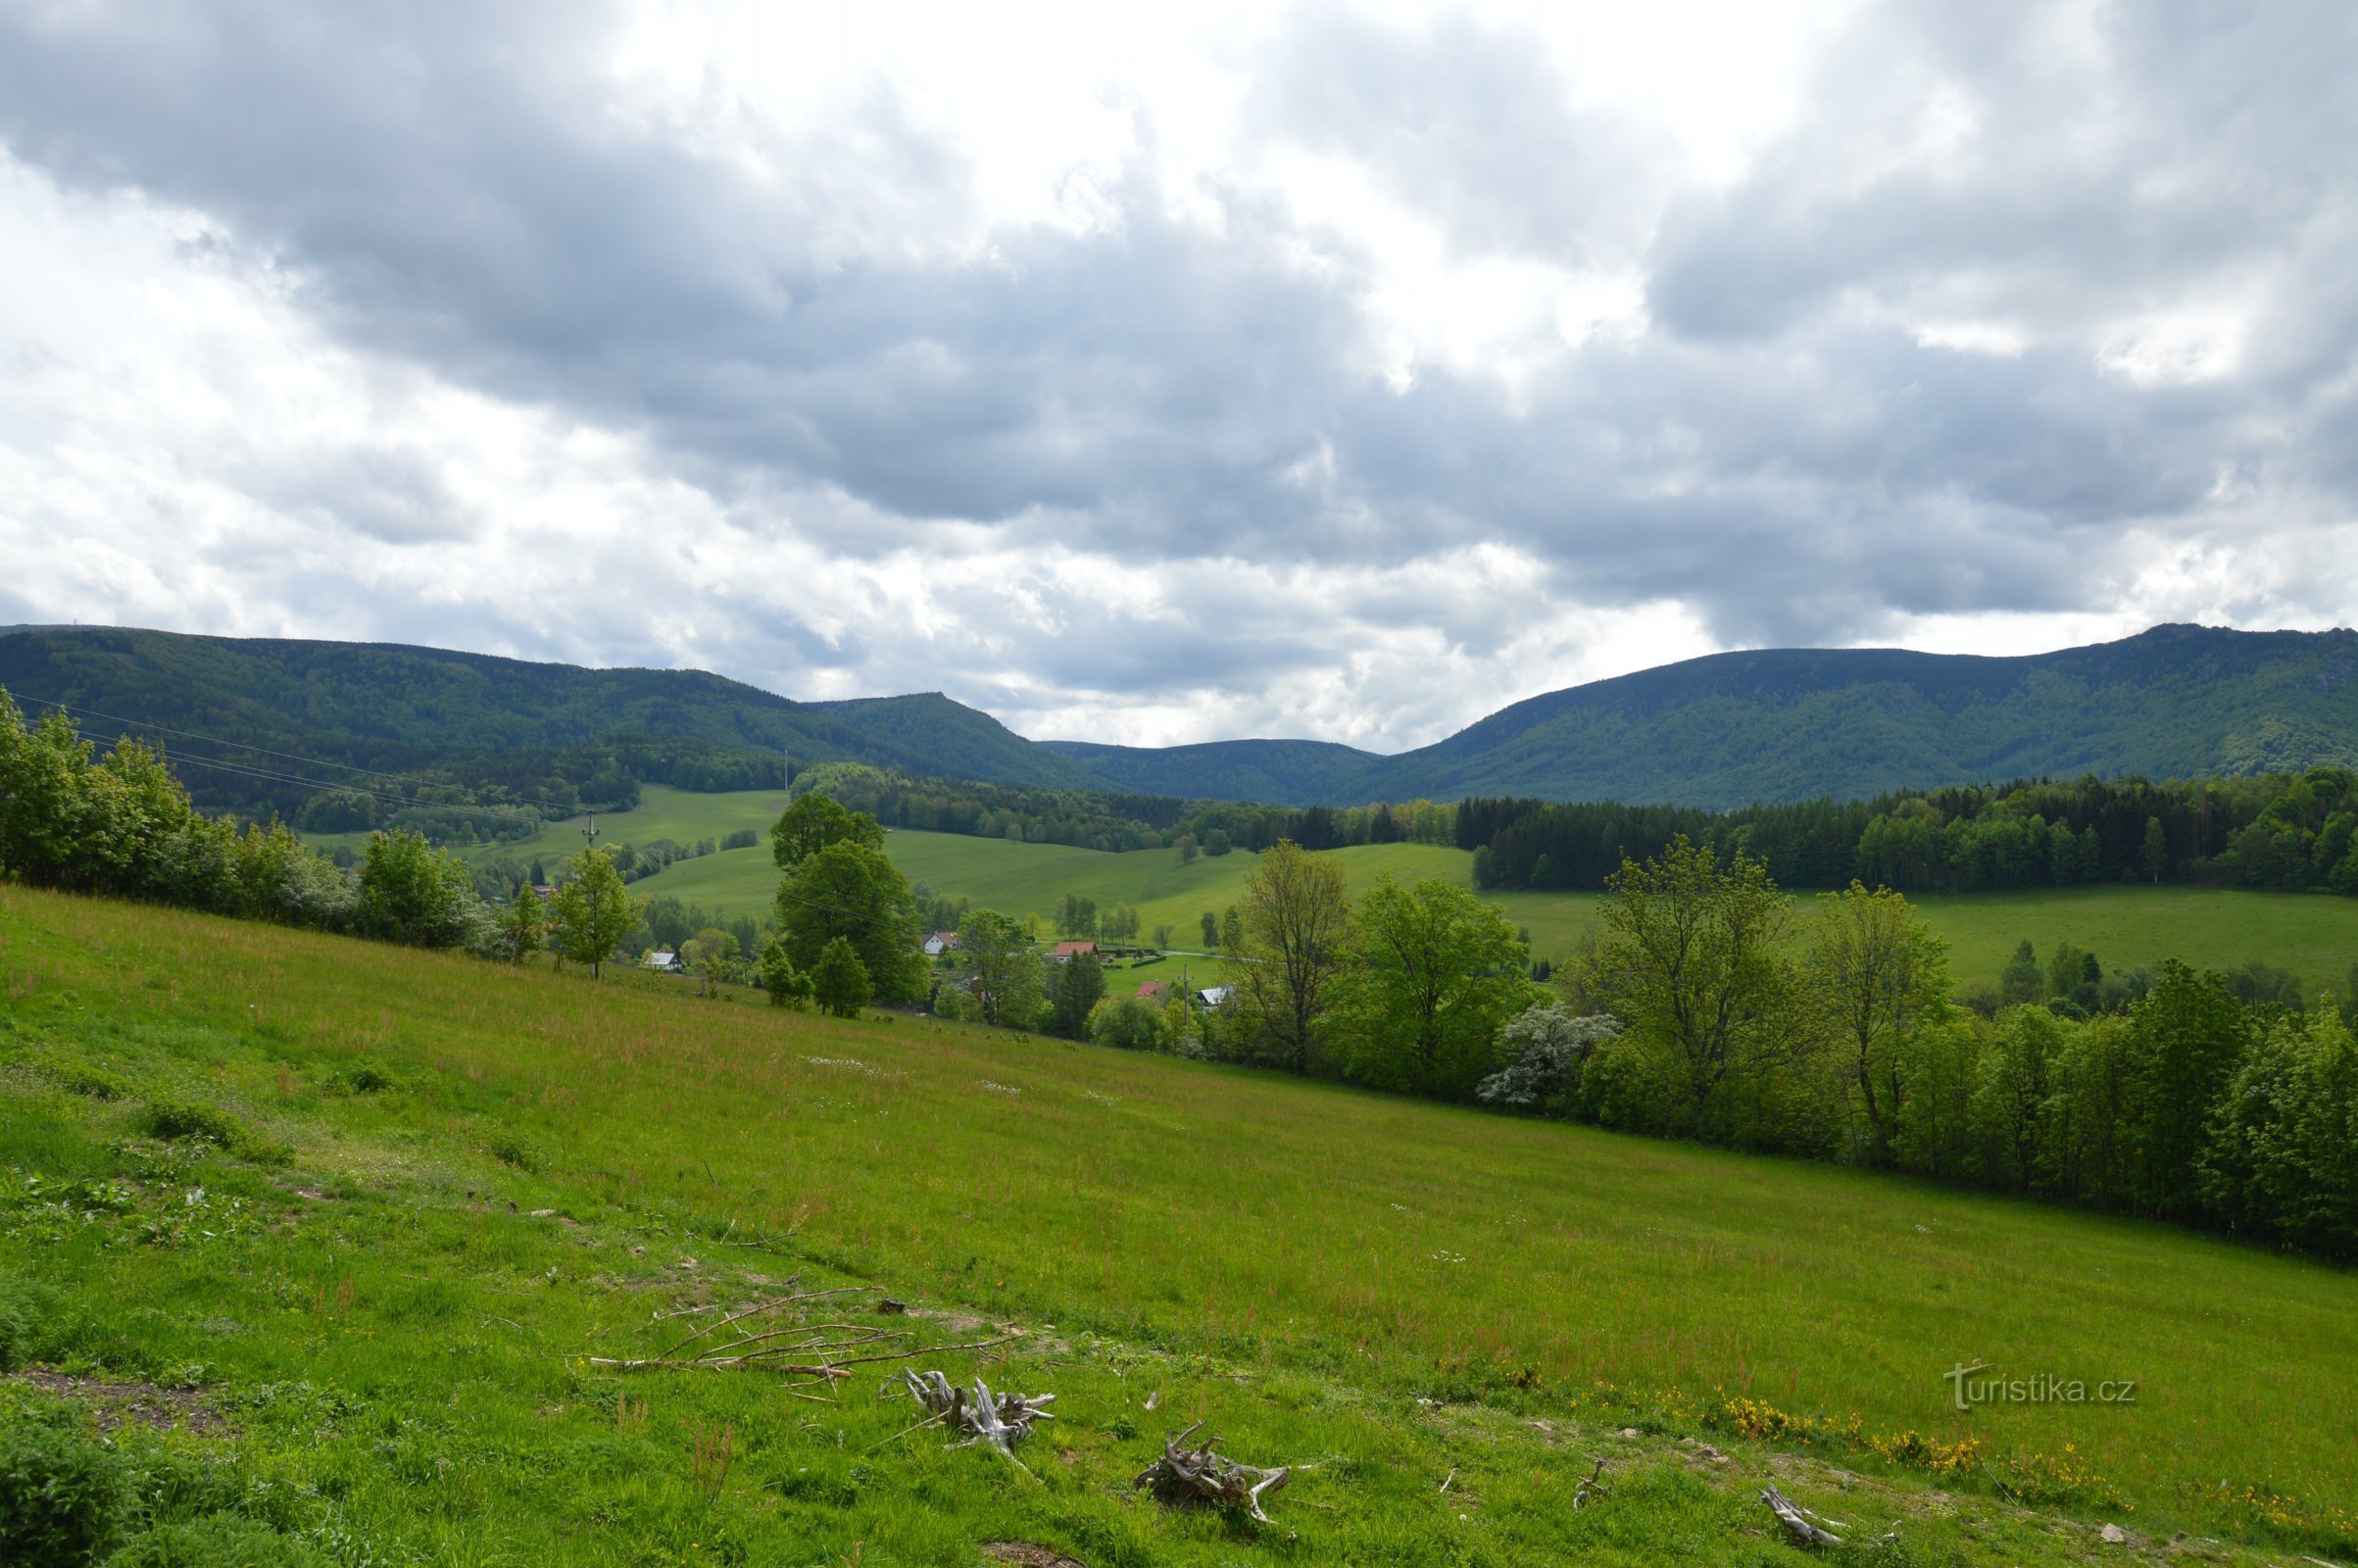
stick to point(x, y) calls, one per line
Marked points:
point(1273, 772)
point(479, 720)
point(1779, 725)
point(1722, 731)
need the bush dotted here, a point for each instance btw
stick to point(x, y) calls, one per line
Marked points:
point(366, 1078)
point(175, 1119)
point(514, 1148)
point(30, 1319)
point(94, 1083)
point(60, 1495)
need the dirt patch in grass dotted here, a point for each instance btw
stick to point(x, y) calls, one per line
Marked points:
point(116, 1404)
point(1029, 1555)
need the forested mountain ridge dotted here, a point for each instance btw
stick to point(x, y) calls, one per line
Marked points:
point(1727, 730)
point(1792, 724)
point(489, 728)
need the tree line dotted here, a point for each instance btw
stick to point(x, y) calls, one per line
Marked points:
point(2281, 831)
point(120, 823)
point(1715, 1006)
point(1092, 820)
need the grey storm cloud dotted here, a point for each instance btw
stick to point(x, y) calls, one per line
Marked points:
point(1785, 444)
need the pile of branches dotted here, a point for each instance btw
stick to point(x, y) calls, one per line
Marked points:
point(1000, 1421)
point(810, 1355)
point(1201, 1475)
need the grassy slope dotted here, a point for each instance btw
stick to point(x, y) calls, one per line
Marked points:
point(1298, 1262)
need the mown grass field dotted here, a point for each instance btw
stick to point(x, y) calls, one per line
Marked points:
point(1404, 1292)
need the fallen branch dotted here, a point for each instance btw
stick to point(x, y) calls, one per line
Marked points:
point(1811, 1529)
point(1201, 1475)
point(1799, 1520)
point(812, 1353)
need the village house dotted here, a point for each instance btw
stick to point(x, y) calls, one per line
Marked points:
point(939, 943)
point(1066, 952)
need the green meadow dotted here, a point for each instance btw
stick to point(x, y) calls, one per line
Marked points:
point(2313, 936)
point(448, 1184)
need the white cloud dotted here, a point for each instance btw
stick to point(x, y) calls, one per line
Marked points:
point(1163, 374)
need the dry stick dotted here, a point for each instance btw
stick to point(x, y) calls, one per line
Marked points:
point(769, 1306)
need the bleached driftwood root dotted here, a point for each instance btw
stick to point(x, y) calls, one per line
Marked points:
point(1810, 1529)
point(1591, 1486)
point(1000, 1421)
point(1200, 1475)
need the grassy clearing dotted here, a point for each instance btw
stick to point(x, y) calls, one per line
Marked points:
point(1303, 1264)
point(663, 812)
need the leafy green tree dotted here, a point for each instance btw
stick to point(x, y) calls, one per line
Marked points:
point(2186, 1040)
point(1877, 973)
point(2022, 980)
point(712, 956)
point(593, 911)
point(1295, 931)
point(787, 986)
point(849, 890)
point(1079, 986)
point(412, 893)
point(812, 823)
point(1127, 1024)
point(1436, 971)
point(1211, 932)
point(1232, 932)
point(522, 928)
point(1185, 847)
point(2283, 1155)
point(1216, 842)
point(1004, 969)
point(2011, 1097)
point(840, 980)
point(1693, 964)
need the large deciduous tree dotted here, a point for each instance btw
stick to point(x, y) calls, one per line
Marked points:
point(593, 911)
point(1693, 964)
point(1294, 933)
point(1877, 976)
point(846, 889)
point(814, 822)
point(1436, 972)
point(1002, 969)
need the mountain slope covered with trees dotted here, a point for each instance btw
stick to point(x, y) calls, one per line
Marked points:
point(1794, 724)
point(479, 731)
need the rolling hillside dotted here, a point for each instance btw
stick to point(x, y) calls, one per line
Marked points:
point(1718, 732)
point(429, 1190)
point(1788, 724)
point(480, 720)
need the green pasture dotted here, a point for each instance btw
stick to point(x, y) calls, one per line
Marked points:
point(1403, 1293)
point(2315, 937)
point(663, 812)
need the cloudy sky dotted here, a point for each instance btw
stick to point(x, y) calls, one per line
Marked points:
point(1176, 373)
